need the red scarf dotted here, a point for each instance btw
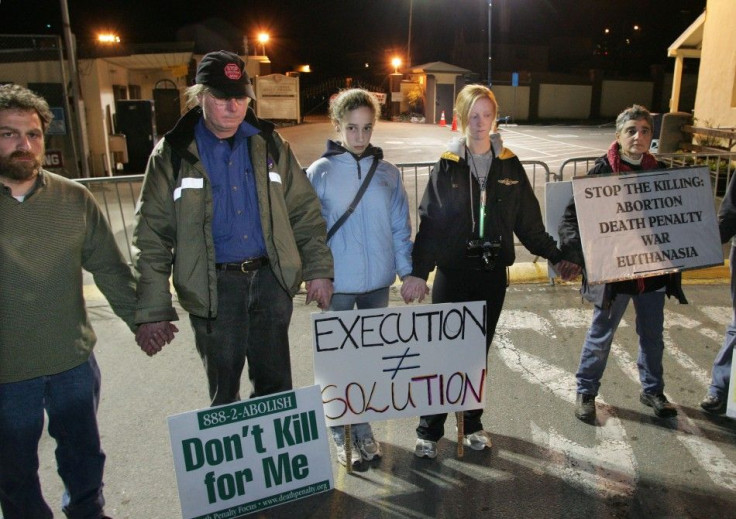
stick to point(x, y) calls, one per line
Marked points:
point(619, 166)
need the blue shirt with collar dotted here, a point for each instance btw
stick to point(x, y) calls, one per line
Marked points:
point(236, 224)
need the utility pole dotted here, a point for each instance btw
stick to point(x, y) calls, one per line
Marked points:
point(408, 44)
point(78, 142)
point(490, 10)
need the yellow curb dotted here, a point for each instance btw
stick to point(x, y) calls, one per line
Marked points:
point(532, 272)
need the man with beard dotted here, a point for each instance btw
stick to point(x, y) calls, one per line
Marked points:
point(50, 229)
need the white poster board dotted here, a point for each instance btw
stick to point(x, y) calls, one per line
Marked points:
point(400, 361)
point(277, 97)
point(240, 458)
point(557, 196)
point(647, 223)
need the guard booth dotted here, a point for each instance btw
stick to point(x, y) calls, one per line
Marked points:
point(441, 82)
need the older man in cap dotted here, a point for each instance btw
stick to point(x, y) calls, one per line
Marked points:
point(225, 204)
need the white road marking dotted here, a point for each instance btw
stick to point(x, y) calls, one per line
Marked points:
point(719, 314)
point(609, 467)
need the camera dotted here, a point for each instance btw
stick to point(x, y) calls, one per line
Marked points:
point(487, 250)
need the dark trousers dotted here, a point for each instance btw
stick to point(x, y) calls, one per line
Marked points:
point(456, 286)
point(70, 400)
point(253, 314)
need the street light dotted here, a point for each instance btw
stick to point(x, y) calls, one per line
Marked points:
point(108, 38)
point(263, 39)
point(396, 63)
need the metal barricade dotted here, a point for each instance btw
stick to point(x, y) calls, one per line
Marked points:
point(721, 165)
point(117, 196)
point(579, 165)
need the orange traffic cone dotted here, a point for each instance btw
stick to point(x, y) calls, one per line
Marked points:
point(454, 123)
point(442, 119)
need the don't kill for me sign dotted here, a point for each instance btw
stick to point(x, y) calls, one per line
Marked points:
point(239, 458)
point(647, 223)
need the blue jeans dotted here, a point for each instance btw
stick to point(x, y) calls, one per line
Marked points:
point(649, 326)
point(721, 373)
point(253, 315)
point(70, 399)
point(340, 302)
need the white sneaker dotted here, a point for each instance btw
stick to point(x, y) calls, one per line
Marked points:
point(478, 441)
point(342, 458)
point(425, 449)
point(369, 449)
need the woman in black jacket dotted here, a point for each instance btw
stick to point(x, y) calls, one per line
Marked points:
point(477, 198)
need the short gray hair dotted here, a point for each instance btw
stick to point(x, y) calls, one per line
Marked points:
point(633, 113)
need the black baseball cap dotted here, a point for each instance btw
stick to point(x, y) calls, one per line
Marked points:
point(224, 73)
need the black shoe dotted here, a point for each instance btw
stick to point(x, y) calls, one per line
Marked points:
point(714, 404)
point(661, 405)
point(585, 407)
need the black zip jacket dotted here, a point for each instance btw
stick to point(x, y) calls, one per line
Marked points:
point(447, 215)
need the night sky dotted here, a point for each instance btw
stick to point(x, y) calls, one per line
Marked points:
point(342, 36)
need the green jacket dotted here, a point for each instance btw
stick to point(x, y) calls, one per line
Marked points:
point(174, 222)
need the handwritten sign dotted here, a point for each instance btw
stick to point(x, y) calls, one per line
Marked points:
point(240, 458)
point(400, 361)
point(646, 224)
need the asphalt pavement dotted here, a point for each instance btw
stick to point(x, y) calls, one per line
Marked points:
point(544, 463)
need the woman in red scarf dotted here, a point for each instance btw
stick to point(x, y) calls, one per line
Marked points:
point(628, 153)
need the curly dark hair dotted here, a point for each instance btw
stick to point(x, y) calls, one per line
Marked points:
point(18, 97)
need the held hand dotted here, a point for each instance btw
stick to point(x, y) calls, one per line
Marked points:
point(414, 288)
point(567, 270)
point(319, 290)
point(152, 337)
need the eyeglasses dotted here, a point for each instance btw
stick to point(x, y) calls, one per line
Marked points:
point(223, 102)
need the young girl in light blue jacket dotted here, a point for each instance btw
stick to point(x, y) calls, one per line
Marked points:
point(373, 245)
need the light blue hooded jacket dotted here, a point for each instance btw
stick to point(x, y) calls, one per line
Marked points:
point(374, 244)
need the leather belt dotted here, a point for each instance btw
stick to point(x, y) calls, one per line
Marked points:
point(248, 265)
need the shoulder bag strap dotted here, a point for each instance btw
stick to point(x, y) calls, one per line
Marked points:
point(355, 201)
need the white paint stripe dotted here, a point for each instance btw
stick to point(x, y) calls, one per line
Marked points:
point(609, 467)
point(522, 320)
point(711, 334)
point(719, 314)
point(711, 459)
point(571, 317)
point(686, 361)
point(674, 319)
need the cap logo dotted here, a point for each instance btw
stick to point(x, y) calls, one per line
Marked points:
point(232, 71)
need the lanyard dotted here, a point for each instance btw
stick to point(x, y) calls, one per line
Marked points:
point(482, 215)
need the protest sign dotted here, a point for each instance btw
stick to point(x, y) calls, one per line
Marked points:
point(239, 458)
point(646, 224)
point(400, 361)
